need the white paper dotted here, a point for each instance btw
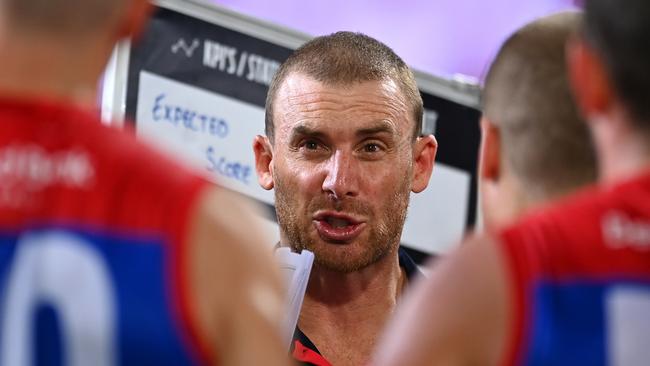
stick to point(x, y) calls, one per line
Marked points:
point(295, 269)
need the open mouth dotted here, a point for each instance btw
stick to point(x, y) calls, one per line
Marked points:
point(337, 228)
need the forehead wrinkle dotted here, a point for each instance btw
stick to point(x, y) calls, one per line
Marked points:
point(315, 103)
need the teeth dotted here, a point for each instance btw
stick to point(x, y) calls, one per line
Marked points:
point(337, 223)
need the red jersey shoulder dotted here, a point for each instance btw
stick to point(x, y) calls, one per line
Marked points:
point(89, 171)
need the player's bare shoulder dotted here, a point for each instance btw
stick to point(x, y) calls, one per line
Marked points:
point(237, 286)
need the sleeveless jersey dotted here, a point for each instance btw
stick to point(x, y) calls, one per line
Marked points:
point(581, 278)
point(93, 229)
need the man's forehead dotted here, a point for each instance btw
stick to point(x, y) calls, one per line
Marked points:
point(302, 97)
point(298, 86)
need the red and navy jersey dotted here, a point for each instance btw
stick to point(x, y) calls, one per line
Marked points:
point(581, 278)
point(93, 238)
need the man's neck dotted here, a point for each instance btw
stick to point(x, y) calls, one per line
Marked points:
point(343, 313)
point(53, 70)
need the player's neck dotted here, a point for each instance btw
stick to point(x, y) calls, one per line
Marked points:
point(504, 200)
point(623, 152)
point(52, 71)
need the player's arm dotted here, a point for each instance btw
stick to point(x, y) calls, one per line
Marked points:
point(457, 316)
point(236, 283)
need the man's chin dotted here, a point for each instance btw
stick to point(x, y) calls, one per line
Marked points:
point(340, 266)
point(343, 259)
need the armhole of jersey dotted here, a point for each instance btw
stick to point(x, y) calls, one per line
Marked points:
point(201, 349)
point(516, 334)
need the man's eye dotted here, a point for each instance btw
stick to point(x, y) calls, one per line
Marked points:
point(372, 148)
point(311, 145)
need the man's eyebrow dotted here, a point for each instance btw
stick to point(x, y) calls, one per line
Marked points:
point(303, 130)
point(380, 127)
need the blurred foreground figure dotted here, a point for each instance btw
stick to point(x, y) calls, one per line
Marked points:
point(535, 146)
point(571, 284)
point(109, 253)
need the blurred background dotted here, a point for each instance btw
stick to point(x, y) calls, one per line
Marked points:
point(440, 37)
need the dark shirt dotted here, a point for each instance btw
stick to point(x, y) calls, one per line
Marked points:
point(305, 351)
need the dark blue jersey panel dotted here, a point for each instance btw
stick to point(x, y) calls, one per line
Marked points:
point(146, 329)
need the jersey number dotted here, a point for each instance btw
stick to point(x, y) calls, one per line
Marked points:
point(67, 273)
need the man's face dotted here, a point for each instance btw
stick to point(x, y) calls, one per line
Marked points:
point(342, 169)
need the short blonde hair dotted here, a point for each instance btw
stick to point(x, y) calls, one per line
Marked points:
point(527, 96)
point(345, 58)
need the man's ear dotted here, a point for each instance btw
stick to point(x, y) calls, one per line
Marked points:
point(424, 155)
point(490, 159)
point(589, 80)
point(263, 161)
point(134, 18)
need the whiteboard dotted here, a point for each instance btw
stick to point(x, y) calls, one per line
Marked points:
point(195, 86)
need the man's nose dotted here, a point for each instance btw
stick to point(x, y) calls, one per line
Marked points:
point(341, 178)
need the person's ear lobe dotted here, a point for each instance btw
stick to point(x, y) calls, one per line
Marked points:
point(490, 159)
point(263, 161)
point(588, 78)
point(424, 156)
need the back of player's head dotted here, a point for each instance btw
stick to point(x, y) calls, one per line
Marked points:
point(344, 58)
point(619, 31)
point(543, 140)
point(59, 17)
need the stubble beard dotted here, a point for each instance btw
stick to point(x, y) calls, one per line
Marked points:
point(383, 237)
